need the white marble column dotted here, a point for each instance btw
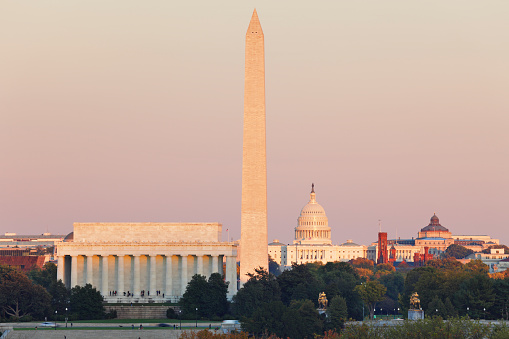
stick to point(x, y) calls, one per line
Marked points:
point(90, 270)
point(104, 275)
point(183, 275)
point(61, 268)
point(169, 277)
point(199, 264)
point(120, 276)
point(153, 275)
point(231, 275)
point(74, 271)
point(136, 284)
point(215, 262)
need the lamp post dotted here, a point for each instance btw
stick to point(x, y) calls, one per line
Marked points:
point(196, 317)
point(180, 318)
point(467, 312)
point(66, 317)
point(484, 308)
point(381, 314)
point(55, 320)
point(398, 312)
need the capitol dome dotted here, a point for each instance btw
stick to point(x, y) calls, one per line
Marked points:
point(313, 225)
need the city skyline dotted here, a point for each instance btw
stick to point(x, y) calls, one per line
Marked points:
point(395, 111)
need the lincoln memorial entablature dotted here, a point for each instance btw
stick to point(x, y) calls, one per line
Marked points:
point(144, 262)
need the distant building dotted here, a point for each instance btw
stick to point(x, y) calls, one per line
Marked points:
point(432, 240)
point(497, 260)
point(312, 241)
point(10, 240)
point(23, 263)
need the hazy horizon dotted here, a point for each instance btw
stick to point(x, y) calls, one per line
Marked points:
point(129, 111)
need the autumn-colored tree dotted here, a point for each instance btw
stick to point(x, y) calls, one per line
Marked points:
point(362, 263)
point(476, 266)
point(371, 292)
point(386, 267)
point(364, 273)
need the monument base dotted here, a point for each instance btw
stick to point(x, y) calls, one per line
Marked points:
point(415, 314)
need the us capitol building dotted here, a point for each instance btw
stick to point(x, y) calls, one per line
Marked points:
point(313, 240)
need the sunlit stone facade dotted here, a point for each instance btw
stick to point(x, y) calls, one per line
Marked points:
point(144, 262)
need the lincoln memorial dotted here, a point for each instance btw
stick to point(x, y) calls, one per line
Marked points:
point(144, 262)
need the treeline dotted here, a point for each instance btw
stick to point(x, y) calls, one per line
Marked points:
point(38, 296)
point(286, 305)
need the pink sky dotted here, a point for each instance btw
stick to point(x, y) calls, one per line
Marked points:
point(132, 111)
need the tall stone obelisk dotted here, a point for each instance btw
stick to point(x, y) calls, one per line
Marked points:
point(253, 237)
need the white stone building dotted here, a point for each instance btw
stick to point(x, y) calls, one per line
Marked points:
point(144, 262)
point(313, 240)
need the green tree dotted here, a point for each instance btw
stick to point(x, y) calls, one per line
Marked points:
point(341, 278)
point(477, 294)
point(436, 308)
point(457, 251)
point(86, 302)
point(45, 276)
point(261, 288)
point(337, 314)
point(501, 304)
point(268, 318)
point(194, 297)
point(302, 320)
point(298, 283)
point(59, 297)
point(215, 300)
point(371, 292)
point(20, 297)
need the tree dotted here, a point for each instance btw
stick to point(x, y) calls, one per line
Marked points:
point(194, 296)
point(337, 313)
point(216, 302)
point(476, 266)
point(385, 267)
point(298, 283)
point(362, 263)
point(371, 292)
point(45, 276)
point(86, 302)
point(477, 294)
point(267, 318)
point(457, 251)
point(302, 320)
point(261, 288)
point(20, 297)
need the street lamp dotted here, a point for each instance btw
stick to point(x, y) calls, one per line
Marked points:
point(484, 313)
point(381, 314)
point(398, 312)
point(55, 320)
point(66, 317)
point(467, 312)
point(180, 318)
point(196, 316)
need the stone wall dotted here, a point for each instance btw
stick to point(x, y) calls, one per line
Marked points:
point(147, 231)
point(139, 312)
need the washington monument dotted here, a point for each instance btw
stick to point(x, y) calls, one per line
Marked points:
point(253, 238)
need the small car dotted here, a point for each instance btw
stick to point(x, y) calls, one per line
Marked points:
point(48, 324)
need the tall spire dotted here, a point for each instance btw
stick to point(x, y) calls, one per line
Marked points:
point(253, 224)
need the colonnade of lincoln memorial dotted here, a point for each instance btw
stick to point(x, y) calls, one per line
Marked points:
point(137, 271)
